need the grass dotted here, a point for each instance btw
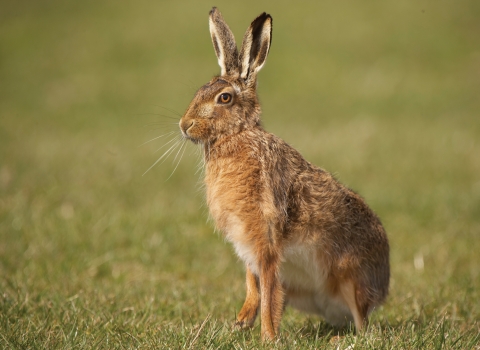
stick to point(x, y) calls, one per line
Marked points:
point(95, 255)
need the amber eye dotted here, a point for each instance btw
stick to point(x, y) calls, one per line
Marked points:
point(224, 98)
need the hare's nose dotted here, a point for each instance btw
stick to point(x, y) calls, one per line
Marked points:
point(185, 125)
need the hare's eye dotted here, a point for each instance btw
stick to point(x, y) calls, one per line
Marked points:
point(224, 98)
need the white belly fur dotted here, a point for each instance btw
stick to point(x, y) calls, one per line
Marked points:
point(305, 283)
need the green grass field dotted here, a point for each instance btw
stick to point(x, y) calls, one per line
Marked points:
point(385, 95)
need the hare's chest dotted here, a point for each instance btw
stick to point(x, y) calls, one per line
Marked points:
point(226, 211)
point(236, 233)
point(230, 196)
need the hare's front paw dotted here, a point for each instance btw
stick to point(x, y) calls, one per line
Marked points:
point(268, 336)
point(246, 317)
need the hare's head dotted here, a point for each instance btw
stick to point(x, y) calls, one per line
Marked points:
point(228, 104)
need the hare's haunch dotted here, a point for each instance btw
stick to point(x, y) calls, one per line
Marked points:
point(306, 239)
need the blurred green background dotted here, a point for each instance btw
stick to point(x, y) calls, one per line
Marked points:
point(384, 94)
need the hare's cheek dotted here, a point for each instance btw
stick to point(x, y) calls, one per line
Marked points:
point(221, 125)
point(200, 130)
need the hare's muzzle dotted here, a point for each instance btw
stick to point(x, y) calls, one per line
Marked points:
point(186, 124)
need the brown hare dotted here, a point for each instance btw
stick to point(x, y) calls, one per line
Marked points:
point(306, 240)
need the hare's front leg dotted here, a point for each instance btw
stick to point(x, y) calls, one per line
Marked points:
point(249, 310)
point(272, 296)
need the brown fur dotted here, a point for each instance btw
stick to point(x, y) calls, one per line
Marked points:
point(305, 238)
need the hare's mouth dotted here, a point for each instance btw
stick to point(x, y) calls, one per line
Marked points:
point(189, 137)
point(194, 140)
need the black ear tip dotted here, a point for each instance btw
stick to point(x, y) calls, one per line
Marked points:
point(213, 10)
point(268, 17)
point(264, 17)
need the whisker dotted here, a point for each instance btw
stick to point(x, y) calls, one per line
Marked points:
point(167, 153)
point(172, 140)
point(163, 128)
point(179, 159)
point(175, 158)
point(158, 137)
point(160, 123)
point(199, 169)
point(156, 114)
point(200, 162)
point(170, 110)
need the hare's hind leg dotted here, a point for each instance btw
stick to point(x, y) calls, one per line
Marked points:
point(359, 312)
point(248, 313)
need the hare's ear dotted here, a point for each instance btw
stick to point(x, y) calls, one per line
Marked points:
point(223, 43)
point(255, 47)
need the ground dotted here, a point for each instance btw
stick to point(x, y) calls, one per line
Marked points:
point(94, 254)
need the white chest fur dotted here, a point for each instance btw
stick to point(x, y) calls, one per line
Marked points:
point(226, 214)
point(244, 247)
